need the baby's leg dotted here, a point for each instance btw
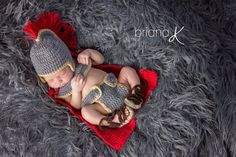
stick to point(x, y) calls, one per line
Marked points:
point(129, 77)
point(94, 113)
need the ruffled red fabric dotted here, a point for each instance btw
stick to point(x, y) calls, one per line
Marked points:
point(115, 138)
point(52, 21)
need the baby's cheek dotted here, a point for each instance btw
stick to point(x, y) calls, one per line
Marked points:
point(52, 85)
point(69, 76)
point(67, 79)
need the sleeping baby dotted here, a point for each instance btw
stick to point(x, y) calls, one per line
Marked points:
point(104, 100)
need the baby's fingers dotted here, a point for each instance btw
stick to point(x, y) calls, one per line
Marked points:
point(87, 60)
point(76, 78)
point(82, 80)
point(78, 59)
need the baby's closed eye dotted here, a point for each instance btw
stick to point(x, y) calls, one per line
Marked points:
point(63, 73)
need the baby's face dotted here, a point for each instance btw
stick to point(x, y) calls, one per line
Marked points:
point(59, 79)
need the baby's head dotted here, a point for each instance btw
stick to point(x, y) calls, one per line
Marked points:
point(51, 59)
point(60, 78)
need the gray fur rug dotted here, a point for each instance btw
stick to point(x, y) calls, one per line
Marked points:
point(192, 112)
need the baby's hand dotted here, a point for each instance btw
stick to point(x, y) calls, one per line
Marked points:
point(84, 57)
point(78, 82)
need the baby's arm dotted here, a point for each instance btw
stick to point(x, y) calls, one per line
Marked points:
point(94, 55)
point(77, 84)
point(75, 99)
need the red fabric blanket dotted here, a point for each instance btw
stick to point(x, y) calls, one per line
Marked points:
point(115, 138)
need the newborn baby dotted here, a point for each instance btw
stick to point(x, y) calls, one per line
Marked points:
point(104, 100)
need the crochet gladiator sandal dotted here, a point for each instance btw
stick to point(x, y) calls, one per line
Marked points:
point(123, 118)
point(135, 98)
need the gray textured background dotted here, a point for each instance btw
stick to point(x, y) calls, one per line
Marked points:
point(191, 113)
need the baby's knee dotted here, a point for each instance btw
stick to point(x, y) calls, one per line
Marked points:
point(85, 112)
point(128, 69)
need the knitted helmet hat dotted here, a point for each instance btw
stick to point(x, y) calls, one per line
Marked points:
point(49, 55)
point(55, 44)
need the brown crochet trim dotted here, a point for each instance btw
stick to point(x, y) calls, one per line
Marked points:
point(135, 98)
point(123, 118)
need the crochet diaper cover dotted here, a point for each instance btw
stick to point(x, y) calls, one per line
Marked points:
point(110, 94)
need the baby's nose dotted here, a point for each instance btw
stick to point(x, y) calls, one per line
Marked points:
point(58, 81)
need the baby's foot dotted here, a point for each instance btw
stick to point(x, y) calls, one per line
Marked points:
point(117, 119)
point(135, 99)
point(122, 117)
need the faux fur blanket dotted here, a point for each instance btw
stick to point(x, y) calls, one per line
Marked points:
point(190, 43)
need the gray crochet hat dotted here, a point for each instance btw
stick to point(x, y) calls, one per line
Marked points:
point(50, 54)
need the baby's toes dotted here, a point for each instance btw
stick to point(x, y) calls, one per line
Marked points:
point(116, 119)
point(126, 112)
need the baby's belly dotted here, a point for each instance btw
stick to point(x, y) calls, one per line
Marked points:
point(94, 76)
